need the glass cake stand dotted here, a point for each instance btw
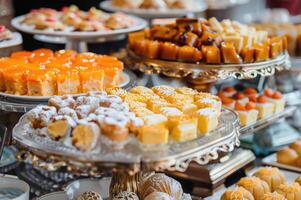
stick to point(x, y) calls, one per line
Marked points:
point(77, 40)
point(133, 160)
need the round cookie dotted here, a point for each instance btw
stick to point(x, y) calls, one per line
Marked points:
point(287, 156)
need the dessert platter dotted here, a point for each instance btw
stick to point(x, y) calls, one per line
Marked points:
point(8, 38)
point(263, 183)
point(155, 8)
point(207, 49)
point(77, 26)
point(118, 128)
point(288, 158)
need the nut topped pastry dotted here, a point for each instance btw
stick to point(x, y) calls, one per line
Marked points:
point(208, 41)
point(254, 185)
point(292, 191)
point(271, 175)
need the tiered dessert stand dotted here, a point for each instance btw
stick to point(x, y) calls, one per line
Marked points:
point(77, 40)
point(204, 76)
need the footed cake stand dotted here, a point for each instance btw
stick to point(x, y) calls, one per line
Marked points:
point(131, 162)
point(77, 40)
point(201, 74)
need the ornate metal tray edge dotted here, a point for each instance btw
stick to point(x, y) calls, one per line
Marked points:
point(208, 71)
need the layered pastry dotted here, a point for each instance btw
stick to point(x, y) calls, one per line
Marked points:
point(255, 186)
point(238, 193)
point(46, 73)
point(155, 4)
point(208, 41)
point(73, 19)
point(163, 184)
point(83, 121)
point(291, 191)
point(5, 34)
point(276, 98)
point(265, 108)
point(247, 113)
point(272, 176)
point(273, 196)
point(287, 156)
point(180, 114)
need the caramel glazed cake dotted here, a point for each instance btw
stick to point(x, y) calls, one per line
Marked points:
point(153, 116)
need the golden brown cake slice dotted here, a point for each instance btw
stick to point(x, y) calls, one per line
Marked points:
point(207, 120)
point(229, 53)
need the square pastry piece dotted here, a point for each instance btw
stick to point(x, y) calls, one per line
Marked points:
point(264, 108)
point(182, 127)
point(247, 113)
point(155, 130)
point(207, 120)
point(275, 98)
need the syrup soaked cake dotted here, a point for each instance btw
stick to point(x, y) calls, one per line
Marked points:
point(47, 73)
point(208, 41)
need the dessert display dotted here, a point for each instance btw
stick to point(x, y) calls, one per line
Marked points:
point(73, 19)
point(291, 31)
point(267, 183)
point(43, 72)
point(290, 155)
point(180, 114)
point(155, 116)
point(154, 4)
point(206, 41)
point(251, 105)
point(5, 34)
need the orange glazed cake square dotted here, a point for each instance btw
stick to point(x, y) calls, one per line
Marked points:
point(41, 83)
point(68, 82)
point(91, 80)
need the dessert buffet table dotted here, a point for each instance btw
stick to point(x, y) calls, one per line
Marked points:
point(167, 117)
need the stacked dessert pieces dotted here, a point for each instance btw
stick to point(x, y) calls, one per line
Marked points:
point(73, 19)
point(180, 114)
point(46, 73)
point(5, 34)
point(207, 41)
point(250, 105)
point(154, 116)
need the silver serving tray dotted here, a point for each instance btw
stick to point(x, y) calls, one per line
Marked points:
point(172, 156)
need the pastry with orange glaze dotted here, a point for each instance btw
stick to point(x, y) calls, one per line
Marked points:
point(247, 113)
point(41, 83)
point(276, 98)
point(68, 82)
point(48, 73)
point(254, 185)
point(229, 91)
point(265, 108)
